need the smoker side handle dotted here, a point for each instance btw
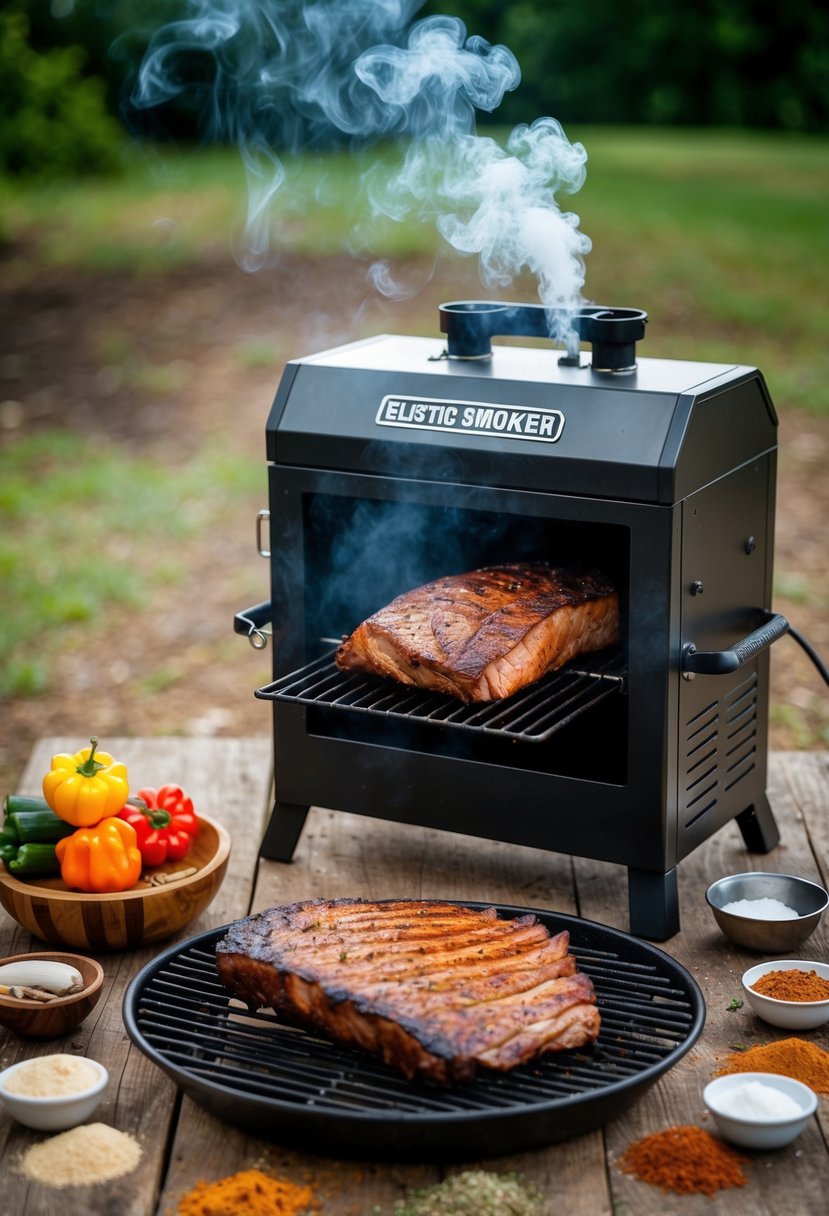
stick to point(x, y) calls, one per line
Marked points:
point(250, 623)
point(721, 662)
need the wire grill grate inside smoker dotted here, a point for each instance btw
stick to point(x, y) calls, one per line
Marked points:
point(532, 714)
point(252, 1067)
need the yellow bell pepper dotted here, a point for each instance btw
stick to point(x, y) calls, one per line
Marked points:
point(83, 789)
point(101, 858)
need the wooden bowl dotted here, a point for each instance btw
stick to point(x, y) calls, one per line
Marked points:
point(54, 1019)
point(122, 920)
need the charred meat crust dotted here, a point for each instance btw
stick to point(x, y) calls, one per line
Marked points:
point(435, 989)
point(484, 635)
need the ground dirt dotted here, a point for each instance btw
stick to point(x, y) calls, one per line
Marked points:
point(196, 325)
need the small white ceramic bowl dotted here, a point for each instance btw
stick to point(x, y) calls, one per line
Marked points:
point(54, 1113)
point(791, 1015)
point(752, 1130)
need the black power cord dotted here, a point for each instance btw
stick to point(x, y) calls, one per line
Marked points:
point(811, 652)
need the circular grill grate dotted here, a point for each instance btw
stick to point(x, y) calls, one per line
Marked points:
point(295, 1086)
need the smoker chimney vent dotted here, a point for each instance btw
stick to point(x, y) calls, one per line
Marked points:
point(470, 325)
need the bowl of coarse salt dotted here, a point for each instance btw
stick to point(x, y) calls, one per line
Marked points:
point(54, 1092)
point(769, 913)
point(759, 1109)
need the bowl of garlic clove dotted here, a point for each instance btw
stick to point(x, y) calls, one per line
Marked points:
point(45, 994)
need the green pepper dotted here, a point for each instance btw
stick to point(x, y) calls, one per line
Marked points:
point(34, 860)
point(9, 843)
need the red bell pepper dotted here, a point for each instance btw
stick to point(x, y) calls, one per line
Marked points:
point(164, 823)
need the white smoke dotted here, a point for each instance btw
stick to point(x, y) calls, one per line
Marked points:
point(282, 73)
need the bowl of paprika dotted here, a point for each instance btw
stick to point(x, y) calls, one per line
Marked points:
point(791, 993)
point(89, 867)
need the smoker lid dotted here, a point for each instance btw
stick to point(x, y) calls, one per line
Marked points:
point(519, 364)
point(394, 407)
point(296, 1087)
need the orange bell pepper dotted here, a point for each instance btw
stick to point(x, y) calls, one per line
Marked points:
point(84, 788)
point(101, 858)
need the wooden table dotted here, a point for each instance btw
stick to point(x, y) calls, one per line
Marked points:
point(341, 854)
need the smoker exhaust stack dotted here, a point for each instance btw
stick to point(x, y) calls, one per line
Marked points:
point(470, 325)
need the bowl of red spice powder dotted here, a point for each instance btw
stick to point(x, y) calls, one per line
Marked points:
point(791, 992)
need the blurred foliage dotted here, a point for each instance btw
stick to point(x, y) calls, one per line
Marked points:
point(735, 63)
point(115, 35)
point(739, 63)
point(53, 119)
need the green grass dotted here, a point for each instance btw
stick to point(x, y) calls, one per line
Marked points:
point(171, 208)
point(88, 528)
point(723, 237)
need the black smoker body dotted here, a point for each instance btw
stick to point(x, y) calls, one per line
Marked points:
point(391, 464)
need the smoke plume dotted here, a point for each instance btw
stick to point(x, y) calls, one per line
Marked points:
point(279, 75)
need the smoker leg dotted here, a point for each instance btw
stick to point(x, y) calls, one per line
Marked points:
point(282, 833)
point(653, 903)
point(758, 826)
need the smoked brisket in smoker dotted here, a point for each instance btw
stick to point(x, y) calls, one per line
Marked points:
point(484, 635)
point(434, 988)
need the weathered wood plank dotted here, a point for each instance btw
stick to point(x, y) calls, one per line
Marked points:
point(347, 855)
point(717, 966)
point(804, 777)
point(229, 780)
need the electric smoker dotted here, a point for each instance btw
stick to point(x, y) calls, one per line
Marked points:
point(396, 460)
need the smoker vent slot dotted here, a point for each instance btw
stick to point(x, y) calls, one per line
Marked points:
point(259, 1072)
point(730, 743)
point(533, 714)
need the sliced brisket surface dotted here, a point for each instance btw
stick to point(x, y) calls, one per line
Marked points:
point(434, 988)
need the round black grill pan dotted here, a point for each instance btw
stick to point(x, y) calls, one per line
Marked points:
point(295, 1087)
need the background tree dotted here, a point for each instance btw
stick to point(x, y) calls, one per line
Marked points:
point(53, 119)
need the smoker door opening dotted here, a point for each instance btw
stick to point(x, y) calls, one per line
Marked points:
point(359, 553)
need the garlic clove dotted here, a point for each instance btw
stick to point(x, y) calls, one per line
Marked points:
point(58, 978)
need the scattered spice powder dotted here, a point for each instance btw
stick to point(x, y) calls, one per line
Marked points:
point(793, 985)
point(793, 1057)
point(474, 1193)
point(248, 1193)
point(687, 1160)
point(91, 1153)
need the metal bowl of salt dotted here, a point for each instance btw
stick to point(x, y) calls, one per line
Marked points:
point(768, 913)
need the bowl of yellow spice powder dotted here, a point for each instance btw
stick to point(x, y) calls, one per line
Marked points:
point(790, 992)
point(50, 1093)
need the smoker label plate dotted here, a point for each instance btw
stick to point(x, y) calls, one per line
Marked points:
point(538, 423)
